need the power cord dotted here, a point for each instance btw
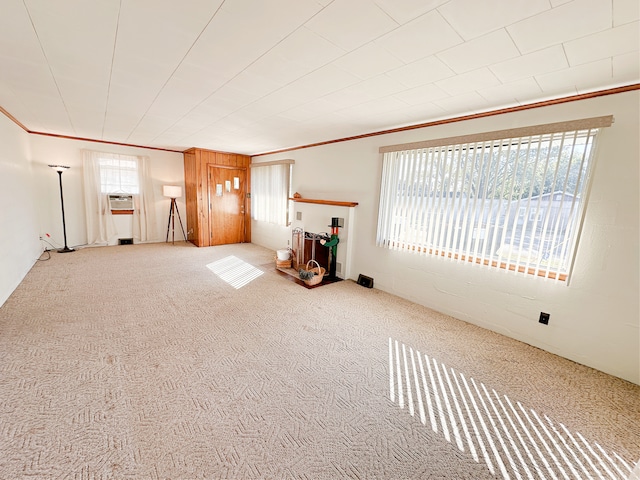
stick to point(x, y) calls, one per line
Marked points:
point(53, 247)
point(48, 252)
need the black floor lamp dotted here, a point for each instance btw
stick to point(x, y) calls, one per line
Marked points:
point(173, 192)
point(60, 169)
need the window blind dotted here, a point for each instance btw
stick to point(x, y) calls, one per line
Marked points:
point(270, 191)
point(514, 202)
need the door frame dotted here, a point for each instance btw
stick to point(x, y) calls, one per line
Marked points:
point(246, 200)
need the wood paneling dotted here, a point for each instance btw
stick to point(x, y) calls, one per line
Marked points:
point(196, 172)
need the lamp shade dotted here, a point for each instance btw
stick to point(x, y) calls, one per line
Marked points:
point(59, 168)
point(171, 191)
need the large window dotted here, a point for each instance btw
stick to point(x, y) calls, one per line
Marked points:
point(511, 199)
point(270, 191)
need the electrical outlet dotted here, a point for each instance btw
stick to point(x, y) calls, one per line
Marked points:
point(544, 318)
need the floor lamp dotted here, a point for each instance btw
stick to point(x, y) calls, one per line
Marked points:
point(173, 192)
point(60, 169)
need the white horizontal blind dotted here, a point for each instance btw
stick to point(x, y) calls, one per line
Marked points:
point(270, 192)
point(514, 203)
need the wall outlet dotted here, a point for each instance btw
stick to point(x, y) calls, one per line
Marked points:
point(544, 318)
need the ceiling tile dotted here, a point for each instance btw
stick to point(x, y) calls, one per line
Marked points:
point(418, 114)
point(625, 11)
point(374, 88)
point(240, 75)
point(17, 37)
point(259, 85)
point(479, 52)
point(223, 50)
point(78, 40)
point(427, 70)
point(420, 38)
point(543, 61)
point(299, 54)
point(366, 113)
point(272, 104)
point(313, 109)
point(14, 104)
point(368, 61)
point(582, 77)
point(402, 11)
point(308, 49)
point(52, 113)
point(561, 24)
point(467, 82)
point(321, 82)
point(27, 76)
point(422, 94)
point(471, 18)
point(626, 68)
point(466, 103)
point(152, 41)
point(616, 41)
point(513, 92)
point(350, 24)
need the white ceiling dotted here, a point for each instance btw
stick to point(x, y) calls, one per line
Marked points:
point(251, 76)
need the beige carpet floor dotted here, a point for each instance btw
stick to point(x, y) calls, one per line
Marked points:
point(174, 362)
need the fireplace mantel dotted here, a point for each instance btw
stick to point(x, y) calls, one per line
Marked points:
point(325, 202)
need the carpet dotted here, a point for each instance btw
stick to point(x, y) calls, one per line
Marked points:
point(143, 362)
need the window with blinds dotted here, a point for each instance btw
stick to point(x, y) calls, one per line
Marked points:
point(270, 191)
point(512, 199)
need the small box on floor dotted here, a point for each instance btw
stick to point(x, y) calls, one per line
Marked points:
point(283, 263)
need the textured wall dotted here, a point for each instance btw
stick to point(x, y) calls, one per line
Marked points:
point(594, 319)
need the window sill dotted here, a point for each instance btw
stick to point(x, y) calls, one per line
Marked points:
point(540, 272)
point(121, 212)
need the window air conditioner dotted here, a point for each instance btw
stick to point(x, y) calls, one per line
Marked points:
point(121, 202)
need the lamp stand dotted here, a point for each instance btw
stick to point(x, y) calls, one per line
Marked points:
point(173, 210)
point(66, 249)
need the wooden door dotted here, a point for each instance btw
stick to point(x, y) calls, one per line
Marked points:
point(227, 192)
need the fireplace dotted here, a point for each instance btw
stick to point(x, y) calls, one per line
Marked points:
point(317, 217)
point(306, 246)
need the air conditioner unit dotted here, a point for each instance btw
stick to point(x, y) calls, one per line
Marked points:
point(121, 202)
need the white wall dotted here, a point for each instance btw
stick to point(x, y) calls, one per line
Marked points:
point(594, 320)
point(19, 244)
point(166, 168)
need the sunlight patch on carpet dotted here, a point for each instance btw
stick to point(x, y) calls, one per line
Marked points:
point(513, 441)
point(234, 271)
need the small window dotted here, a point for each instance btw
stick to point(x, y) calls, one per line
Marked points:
point(119, 174)
point(270, 192)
